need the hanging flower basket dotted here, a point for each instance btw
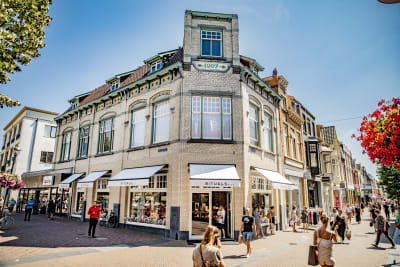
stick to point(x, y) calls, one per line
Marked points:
point(10, 181)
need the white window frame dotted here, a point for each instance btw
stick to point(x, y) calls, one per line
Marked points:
point(82, 139)
point(211, 39)
point(285, 140)
point(66, 146)
point(156, 138)
point(102, 134)
point(256, 121)
point(134, 123)
point(268, 122)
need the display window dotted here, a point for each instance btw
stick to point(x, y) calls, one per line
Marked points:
point(148, 208)
point(80, 198)
point(103, 200)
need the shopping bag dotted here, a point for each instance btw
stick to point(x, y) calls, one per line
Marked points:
point(240, 239)
point(313, 255)
point(290, 223)
point(370, 224)
point(348, 234)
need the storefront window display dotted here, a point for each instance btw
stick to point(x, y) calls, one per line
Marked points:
point(80, 197)
point(148, 207)
point(103, 199)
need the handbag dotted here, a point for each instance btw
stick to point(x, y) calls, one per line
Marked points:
point(313, 255)
point(240, 239)
point(348, 234)
point(370, 224)
point(291, 223)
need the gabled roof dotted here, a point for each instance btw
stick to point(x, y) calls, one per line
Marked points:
point(247, 61)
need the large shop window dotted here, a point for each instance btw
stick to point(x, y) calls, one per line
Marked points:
point(65, 146)
point(268, 132)
point(138, 127)
point(211, 43)
point(161, 114)
point(148, 207)
point(211, 117)
point(253, 125)
point(83, 144)
point(103, 199)
point(80, 198)
point(106, 136)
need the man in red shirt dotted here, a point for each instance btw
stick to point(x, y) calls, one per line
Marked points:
point(94, 213)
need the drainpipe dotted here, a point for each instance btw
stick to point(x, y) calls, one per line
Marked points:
point(33, 138)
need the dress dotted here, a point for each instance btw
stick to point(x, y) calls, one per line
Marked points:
point(325, 250)
point(358, 214)
point(342, 226)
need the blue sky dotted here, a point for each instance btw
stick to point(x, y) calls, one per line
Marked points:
point(340, 57)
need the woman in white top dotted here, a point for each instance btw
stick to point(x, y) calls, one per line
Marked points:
point(293, 218)
point(323, 239)
point(333, 217)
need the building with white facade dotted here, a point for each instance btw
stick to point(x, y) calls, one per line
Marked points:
point(28, 142)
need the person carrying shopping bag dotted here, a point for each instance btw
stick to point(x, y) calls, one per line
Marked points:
point(324, 240)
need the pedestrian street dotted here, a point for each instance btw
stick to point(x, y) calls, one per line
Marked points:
point(61, 242)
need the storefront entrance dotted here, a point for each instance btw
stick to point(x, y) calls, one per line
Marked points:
point(205, 206)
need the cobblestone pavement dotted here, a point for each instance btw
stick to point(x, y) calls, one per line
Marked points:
point(132, 248)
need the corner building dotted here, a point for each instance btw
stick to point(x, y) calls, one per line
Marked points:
point(164, 145)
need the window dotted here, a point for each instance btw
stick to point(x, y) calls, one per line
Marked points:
point(313, 129)
point(211, 43)
point(114, 85)
point(308, 126)
point(148, 207)
point(155, 66)
point(65, 146)
point(304, 124)
point(298, 147)
point(268, 132)
point(46, 157)
point(106, 136)
point(138, 128)
point(50, 131)
point(327, 163)
point(83, 143)
point(211, 117)
point(161, 122)
point(102, 183)
point(285, 139)
point(80, 197)
point(253, 125)
point(293, 144)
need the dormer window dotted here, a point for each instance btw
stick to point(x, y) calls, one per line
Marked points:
point(155, 66)
point(114, 85)
point(211, 43)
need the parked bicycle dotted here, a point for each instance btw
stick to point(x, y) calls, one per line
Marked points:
point(6, 221)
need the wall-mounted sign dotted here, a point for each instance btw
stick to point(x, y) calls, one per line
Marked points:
point(84, 185)
point(326, 179)
point(48, 180)
point(211, 66)
point(63, 186)
point(214, 183)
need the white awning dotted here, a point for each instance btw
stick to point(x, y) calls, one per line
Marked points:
point(325, 149)
point(87, 182)
point(277, 180)
point(67, 182)
point(212, 176)
point(134, 176)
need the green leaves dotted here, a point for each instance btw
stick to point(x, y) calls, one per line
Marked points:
point(21, 36)
point(389, 179)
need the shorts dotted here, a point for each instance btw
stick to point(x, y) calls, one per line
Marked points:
point(220, 226)
point(259, 227)
point(247, 236)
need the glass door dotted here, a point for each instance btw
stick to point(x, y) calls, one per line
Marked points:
point(200, 213)
point(222, 213)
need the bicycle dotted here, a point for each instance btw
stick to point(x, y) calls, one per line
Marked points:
point(6, 221)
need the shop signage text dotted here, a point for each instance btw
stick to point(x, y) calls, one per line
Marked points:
point(48, 180)
point(63, 186)
point(84, 185)
point(214, 184)
point(326, 179)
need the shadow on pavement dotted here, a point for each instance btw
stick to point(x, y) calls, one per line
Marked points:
point(61, 232)
point(235, 257)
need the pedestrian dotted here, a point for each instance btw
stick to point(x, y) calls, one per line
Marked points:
point(94, 213)
point(333, 217)
point(257, 220)
point(221, 220)
point(362, 207)
point(396, 236)
point(208, 252)
point(349, 213)
point(11, 205)
point(247, 229)
point(1, 204)
point(51, 209)
point(341, 223)
point(382, 227)
point(392, 208)
point(323, 239)
point(386, 209)
point(304, 219)
point(28, 209)
point(373, 216)
point(358, 214)
point(271, 217)
point(293, 218)
point(18, 205)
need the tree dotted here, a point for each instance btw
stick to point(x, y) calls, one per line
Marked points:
point(390, 181)
point(379, 134)
point(21, 37)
